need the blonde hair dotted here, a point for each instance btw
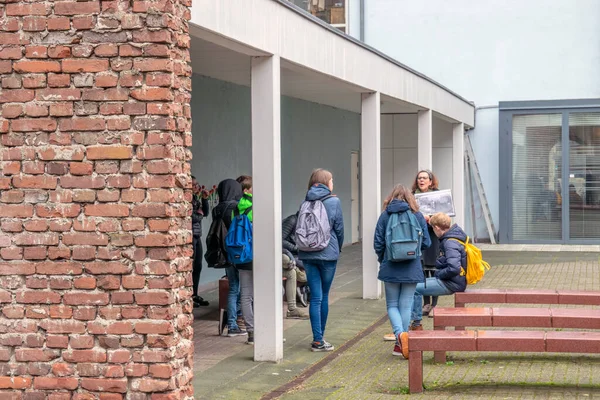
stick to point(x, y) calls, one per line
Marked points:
point(319, 175)
point(441, 220)
point(400, 192)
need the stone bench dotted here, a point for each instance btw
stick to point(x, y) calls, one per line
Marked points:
point(526, 296)
point(569, 318)
point(491, 341)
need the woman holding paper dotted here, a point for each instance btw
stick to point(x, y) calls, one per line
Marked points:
point(426, 181)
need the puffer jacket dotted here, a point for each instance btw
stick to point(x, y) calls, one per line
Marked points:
point(452, 257)
point(198, 204)
point(409, 271)
point(288, 234)
point(333, 207)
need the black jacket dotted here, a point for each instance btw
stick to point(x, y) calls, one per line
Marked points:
point(452, 257)
point(197, 204)
point(288, 233)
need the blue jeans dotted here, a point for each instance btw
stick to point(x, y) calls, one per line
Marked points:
point(319, 276)
point(399, 300)
point(233, 276)
point(431, 287)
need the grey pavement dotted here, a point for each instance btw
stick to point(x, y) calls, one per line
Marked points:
point(362, 367)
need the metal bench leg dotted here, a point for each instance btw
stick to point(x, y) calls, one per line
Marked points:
point(415, 372)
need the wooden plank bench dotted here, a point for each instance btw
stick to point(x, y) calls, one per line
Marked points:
point(569, 318)
point(501, 341)
point(526, 296)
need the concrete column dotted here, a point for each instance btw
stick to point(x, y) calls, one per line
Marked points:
point(266, 170)
point(370, 168)
point(425, 142)
point(458, 172)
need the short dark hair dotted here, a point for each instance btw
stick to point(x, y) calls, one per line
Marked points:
point(245, 181)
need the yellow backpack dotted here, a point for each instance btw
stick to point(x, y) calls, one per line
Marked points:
point(476, 267)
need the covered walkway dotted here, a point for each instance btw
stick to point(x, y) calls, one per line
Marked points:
point(275, 50)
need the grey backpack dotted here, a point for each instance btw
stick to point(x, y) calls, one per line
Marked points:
point(313, 231)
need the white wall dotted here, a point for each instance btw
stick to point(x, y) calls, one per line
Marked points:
point(312, 135)
point(494, 50)
point(399, 163)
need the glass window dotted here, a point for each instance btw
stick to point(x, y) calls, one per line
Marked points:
point(331, 11)
point(536, 176)
point(584, 175)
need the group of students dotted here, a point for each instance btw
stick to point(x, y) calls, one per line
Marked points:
point(312, 243)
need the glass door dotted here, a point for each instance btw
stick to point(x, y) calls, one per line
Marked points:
point(536, 177)
point(584, 175)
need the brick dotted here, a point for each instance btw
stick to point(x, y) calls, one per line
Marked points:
point(127, 50)
point(48, 383)
point(81, 65)
point(38, 297)
point(12, 110)
point(36, 225)
point(34, 253)
point(152, 94)
point(36, 110)
point(150, 65)
point(84, 313)
point(36, 239)
point(59, 81)
point(34, 167)
point(33, 125)
point(15, 382)
point(34, 23)
point(59, 52)
point(12, 196)
point(82, 124)
point(36, 66)
point(104, 385)
point(83, 22)
point(108, 196)
point(34, 81)
point(85, 239)
point(59, 225)
point(58, 94)
point(86, 299)
point(107, 210)
point(161, 328)
point(61, 109)
point(59, 24)
point(107, 50)
point(63, 369)
point(76, 8)
point(107, 267)
point(109, 152)
point(54, 341)
point(16, 96)
point(82, 182)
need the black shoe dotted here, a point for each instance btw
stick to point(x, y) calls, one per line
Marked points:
point(236, 332)
point(199, 302)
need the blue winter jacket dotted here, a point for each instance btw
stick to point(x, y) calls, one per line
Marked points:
point(404, 271)
point(452, 257)
point(333, 207)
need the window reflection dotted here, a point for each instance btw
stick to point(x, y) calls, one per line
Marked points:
point(331, 11)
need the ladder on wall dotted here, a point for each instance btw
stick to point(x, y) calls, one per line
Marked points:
point(473, 171)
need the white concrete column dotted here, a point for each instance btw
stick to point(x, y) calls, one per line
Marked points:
point(370, 178)
point(458, 172)
point(425, 141)
point(266, 170)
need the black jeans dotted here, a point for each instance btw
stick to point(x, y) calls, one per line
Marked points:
point(197, 265)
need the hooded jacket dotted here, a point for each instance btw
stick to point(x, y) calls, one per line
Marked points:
point(409, 271)
point(333, 207)
point(230, 192)
point(452, 256)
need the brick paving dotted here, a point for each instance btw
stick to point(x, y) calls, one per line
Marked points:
point(367, 370)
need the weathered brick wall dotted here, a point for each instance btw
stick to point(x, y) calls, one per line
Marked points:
point(94, 200)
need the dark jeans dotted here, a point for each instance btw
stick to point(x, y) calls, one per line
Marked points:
point(197, 265)
point(319, 276)
point(429, 273)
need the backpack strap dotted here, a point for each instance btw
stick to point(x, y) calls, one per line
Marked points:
point(236, 212)
point(326, 197)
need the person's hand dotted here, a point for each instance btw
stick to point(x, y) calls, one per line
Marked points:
point(204, 194)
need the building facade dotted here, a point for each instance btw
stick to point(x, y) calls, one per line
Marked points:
point(532, 69)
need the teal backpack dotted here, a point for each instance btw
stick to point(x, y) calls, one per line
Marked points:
point(403, 236)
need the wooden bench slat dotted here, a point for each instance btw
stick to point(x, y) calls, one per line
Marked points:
point(575, 318)
point(527, 296)
point(521, 317)
point(441, 340)
point(573, 342)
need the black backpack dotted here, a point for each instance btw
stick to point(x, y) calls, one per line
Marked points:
point(216, 253)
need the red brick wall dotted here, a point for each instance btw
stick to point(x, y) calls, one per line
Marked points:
point(94, 200)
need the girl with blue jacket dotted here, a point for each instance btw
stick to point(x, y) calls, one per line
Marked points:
point(400, 278)
point(320, 265)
